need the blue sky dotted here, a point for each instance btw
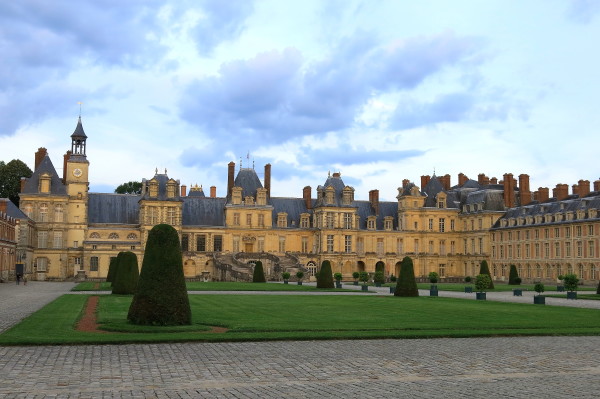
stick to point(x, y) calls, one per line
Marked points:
point(380, 91)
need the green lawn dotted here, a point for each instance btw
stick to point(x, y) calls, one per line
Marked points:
point(594, 297)
point(460, 287)
point(268, 317)
point(216, 286)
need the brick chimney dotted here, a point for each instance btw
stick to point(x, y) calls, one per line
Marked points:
point(374, 200)
point(493, 180)
point(39, 156)
point(213, 192)
point(584, 187)
point(23, 181)
point(65, 160)
point(424, 180)
point(230, 177)
point(597, 185)
point(542, 194)
point(405, 182)
point(3, 204)
point(575, 190)
point(306, 193)
point(524, 191)
point(183, 190)
point(462, 179)
point(560, 192)
point(268, 179)
point(509, 190)
point(445, 182)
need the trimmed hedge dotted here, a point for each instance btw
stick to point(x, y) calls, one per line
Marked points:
point(112, 268)
point(325, 276)
point(161, 297)
point(513, 275)
point(126, 274)
point(259, 274)
point(484, 269)
point(407, 284)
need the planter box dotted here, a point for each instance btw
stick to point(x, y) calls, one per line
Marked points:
point(571, 294)
point(392, 290)
point(365, 287)
point(338, 285)
point(285, 281)
point(468, 290)
point(299, 282)
point(356, 283)
point(560, 288)
point(433, 287)
point(377, 284)
point(433, 292)
point(480, 296)
point(517, 292)
point(539, 300)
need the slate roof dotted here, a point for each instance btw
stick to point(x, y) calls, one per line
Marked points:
point(79, 133)
point(432, 189)
point(338, 185)
point(162, 180)
point(12, 210)
point(113, 208)
point(203, 211)
point(385, 209)
point(248, 180)
point(196, 192)
point(292, 206)
point(32, 184)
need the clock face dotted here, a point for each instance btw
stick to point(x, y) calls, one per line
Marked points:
point(77, 172)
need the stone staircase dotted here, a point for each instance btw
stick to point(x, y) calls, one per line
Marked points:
point(238, 266)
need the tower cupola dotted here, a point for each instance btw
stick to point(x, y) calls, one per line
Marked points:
point(78, 139)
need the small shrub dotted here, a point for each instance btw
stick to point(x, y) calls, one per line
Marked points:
point(259, 274)
point(337, 277)
point(299, 275)
point(570, 281)
point(285, 275)
point(364, 277)
point(482, 282)
point(393, 278)
point(484, 269)
point(539, 288)
point(518, 281)
point(126, 274)
point(407, 284)
point(468, 279)
point(513, 275)
point(355, 275)
point(325, 276)
point(379, 277)
point(433, 277)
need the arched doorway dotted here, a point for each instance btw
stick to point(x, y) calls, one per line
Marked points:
point(397, 269)
point(360, 265)
point(380, 266)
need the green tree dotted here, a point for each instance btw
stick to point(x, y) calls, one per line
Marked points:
point(112, 268)
point(126, 274)
point(259, 274)
point(131, 187)
point(571, 281)
point(406, 284)
point(10, 179)
point(325, 276)
point(484, 269)
point(482, 282)
point(161, 297)
point(513, 275)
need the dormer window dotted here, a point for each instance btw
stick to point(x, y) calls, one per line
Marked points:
point(348, 195)
point(282, 219)
point(371, 222)
point(171, 189)
point(388, 223)
point(305, 220)
point(261, 196)
point(329, 195)
point(153, 188)
point(236, 195)
point(45, 179)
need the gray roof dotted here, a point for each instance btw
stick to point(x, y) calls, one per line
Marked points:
point(12, 210)
point(432, 189)
point(405, 189)
point(162, 179)
point(385, 209)
point(571, 204)
point(203, 211)
point(338, 185)
point(196, 192)
point(292, 206)
point(248, 180)
point(79, 133)
point(33, 183)
point(113, 208)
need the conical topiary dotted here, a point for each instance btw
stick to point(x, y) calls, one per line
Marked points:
point(126, 274)
point(259, 274)
point(406, 284)
point(161, 297)
point(513, 275)
point(325, 276)
point(484, 269)
point(112, 267)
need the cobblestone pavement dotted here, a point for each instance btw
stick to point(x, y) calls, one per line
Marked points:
point(519, 367)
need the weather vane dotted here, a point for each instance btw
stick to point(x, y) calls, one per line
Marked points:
point(79, 102)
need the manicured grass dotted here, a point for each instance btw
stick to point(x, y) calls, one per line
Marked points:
point(269, 317)
point(594, 297)
point(460, 287)
point(216, 286)
point(93, 286)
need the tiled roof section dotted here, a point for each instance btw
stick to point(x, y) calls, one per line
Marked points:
point(33, 183)
point(79, 133)
point(405, 190)
point(196, 192)
point(471, 184)
point(385, 209)
point(113, 208)
point(338, 185)
point(292, 206)
point(12, 210)
point(248, 180)
point(203, 211)
point(162, 180)
point(586, 203)
point(432, 189)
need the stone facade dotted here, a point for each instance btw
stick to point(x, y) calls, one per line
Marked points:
point(8, 243)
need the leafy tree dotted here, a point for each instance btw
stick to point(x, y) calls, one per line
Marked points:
point(325, 276)
point(10, 179)
point(112, 268)
point(259, 273)
point(513, 275)
point(161, 297)
point(482, 282)
point(407, 284)
point(126, 274)
point(379, 277)
point(484, 269)
point(433, 277)
point(571, 281)
point(131, 187)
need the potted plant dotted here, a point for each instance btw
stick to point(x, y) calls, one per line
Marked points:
point(300, 275)
point(286, 277)
point(482, 283)
point(539, 299)
point(393, 278)
point(338, 280)
point(571, 281)
point(560, 287)
point(364, 277)
point(379, 278)
point(468, 288)
point(433, 279)
point(517, 291)
point(355, 276)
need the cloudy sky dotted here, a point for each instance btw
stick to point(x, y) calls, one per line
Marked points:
point(378, 90)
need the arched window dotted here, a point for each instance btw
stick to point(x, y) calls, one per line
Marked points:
point(132, 236)
point(94, 235)
point(113, 236)
point(43, 215)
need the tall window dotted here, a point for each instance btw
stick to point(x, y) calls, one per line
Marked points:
point(261, 244)
point(185, 242)
point(261, 220)
point(557, 250)
point(305, 244)
point(58, 239)
point(527, 251)
point(282, 244)
point(329, 220)
point(430, 247)
point(537, 250)
point(567, 249)
point(43, 212)
point(42, 239)
point(249, 220)
point(380, 247)
point(94, 264)
point(236, 243)
point(218, 243)
point(201, 243)
point(442, 247)
point(42, 264)
point(547, 250)
point(590, 229)
point(591, 249)
point(58, 213)
point(480, 245)
point(171, 219)
point(567, 232)
point(452, 247)
point(348, 244)
point(347, 220)
point(236, 219)
point(578, 231)
point(452, 224)
point(442, 225)
point(579, 249)
point(442, 269)
point(430, 224)
point(329, 243)
point(400, 246)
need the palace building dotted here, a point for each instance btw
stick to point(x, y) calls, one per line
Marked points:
point(443, 228)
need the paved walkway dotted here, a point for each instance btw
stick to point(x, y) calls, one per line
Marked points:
point(523, 367)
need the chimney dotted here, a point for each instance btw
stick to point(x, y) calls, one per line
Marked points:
point(374, 200)
point(542, 194)
point(560, 192)
point(65, 160)
point(524, 192)
point(584, 187)
point(39, 156)
point(405, 182)
point(424, 180)
point(268, 179)
point(306, 193)
point(213, 192)
point(446, 182)
point(493, 180)
point(462, 179)
point(509, 190)
point(597, 185)
point(3, 203)
point(336, 174)
point(23, 181)
point(230, 177)
point(575, 190)
point(183, 190)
